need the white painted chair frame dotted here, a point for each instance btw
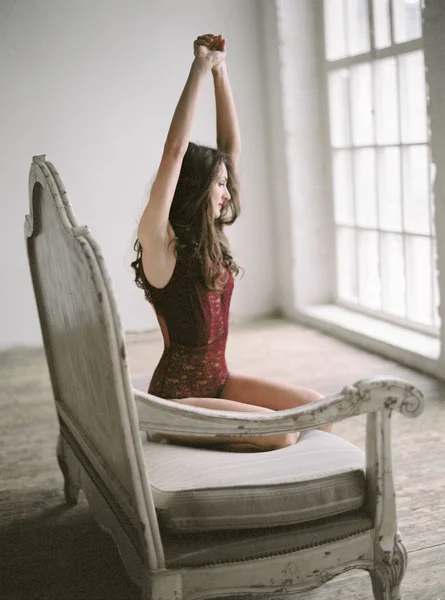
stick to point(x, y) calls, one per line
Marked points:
point(129, 514)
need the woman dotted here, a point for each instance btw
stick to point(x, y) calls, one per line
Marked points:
point(185, 266)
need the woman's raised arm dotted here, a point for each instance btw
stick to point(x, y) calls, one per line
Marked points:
point(227, 128)
point(153, 226)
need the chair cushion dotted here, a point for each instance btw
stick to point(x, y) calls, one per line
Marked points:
point(203, 490)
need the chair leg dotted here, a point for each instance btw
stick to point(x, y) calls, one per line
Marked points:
point(383, 590)
point(388, 573)
point(165, 587)
point(70, 472)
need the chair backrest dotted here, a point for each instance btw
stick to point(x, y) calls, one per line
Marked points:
point(83, 339)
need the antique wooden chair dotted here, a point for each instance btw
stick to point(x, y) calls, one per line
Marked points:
point(199, 523)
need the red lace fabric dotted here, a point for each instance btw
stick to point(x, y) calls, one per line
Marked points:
point(194, 325)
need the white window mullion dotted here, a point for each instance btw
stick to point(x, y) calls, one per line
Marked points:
point(391, 21)
point(374, 122)
point(410, 46)
point(401, 173)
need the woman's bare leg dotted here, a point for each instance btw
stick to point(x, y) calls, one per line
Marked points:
point(233, 443)
point(268, 394)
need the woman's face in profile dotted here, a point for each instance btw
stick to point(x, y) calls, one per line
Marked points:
point(220, 194)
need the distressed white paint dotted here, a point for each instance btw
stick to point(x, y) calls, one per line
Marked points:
point(94, 85)
point(100, 449)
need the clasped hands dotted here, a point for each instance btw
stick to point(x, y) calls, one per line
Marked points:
point(212, 48)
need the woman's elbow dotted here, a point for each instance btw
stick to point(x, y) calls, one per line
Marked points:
point(174, 149)
point(234, 154)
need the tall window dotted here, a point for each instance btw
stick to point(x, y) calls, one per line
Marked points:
point(381, 167)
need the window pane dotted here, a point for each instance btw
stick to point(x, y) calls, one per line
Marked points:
point(346, 266)
point(334, 29)
point(361, 105)
point(389, 188)
point(365, 187)
point(382, 27)
point(419, 280)
point(339, 108)
point(393, 275)
point(343, 198)
point(407, 20)
point(358, 26)
point(368, 269)
point(416, 201)
point(386, 101)
point(413, 97)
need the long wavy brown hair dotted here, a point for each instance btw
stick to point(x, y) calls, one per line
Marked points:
point(200, 238)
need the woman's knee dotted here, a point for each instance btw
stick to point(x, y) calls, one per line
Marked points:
point(289, 439)
point(274, 442)
point(309, 395)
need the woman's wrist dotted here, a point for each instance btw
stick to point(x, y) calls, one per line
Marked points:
point(202, 63)
point(219, 69)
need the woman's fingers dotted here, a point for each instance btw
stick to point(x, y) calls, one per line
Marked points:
point(218, 43)
point(211, 37)
point(213, 42)
point(207, 37)
point(204, 43)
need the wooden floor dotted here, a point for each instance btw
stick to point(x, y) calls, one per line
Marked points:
point(51, 552)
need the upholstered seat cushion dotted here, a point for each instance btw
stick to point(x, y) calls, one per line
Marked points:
point(322, 475)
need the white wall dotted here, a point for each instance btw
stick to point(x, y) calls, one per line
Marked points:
point(300, 152)
point(94, 86)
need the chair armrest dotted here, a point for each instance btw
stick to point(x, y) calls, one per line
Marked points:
point(366, 396)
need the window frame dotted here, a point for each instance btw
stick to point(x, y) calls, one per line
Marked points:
point(395, 49)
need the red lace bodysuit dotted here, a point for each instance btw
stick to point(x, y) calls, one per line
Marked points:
point(194, 325)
